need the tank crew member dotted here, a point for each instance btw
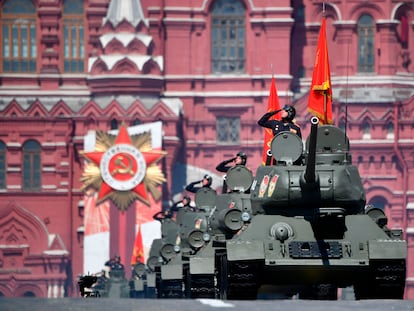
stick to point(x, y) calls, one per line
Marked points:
point(239, 159)
point(161, 215)
point(205, 182)
point(169, 213)
point(286, 124)
point(115, 263)
point(184, 203)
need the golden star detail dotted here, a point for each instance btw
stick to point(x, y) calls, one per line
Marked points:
point(123, 169)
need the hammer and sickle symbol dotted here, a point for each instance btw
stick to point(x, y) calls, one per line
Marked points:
point(121, 167)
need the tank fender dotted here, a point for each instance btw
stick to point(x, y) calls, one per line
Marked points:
point(139, 285)
point(202, 265)
point(171, 271)
point(387, 249)
point(151, 279)
point(245, 250)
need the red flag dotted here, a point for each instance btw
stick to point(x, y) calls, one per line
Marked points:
point(272, 104)
point(320, 96)
point(138, 252)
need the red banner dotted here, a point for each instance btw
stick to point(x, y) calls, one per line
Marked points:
point(320, 96)
point(138, 252)
point(272, 104)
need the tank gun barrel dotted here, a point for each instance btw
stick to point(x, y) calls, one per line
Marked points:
point(311, 162)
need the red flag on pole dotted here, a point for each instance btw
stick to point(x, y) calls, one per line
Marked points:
point(320, 96)
point(272, 104)
point(138, 252)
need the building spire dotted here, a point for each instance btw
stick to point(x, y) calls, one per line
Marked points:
point(128, 10)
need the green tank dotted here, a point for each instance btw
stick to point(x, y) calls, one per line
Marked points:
point(181, 239)
point(142, 283)
point(311, 232)
point(162, 254)
point(228, 216)
point(113, 286)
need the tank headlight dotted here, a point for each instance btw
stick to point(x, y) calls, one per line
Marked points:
point(167, 251)
point(177, 248)
point(245, 216)
point(152, 262)
point(206, 237)
point(233, 220)
point(195, 239)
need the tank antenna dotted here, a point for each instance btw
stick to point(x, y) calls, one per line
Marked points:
point(346, 92)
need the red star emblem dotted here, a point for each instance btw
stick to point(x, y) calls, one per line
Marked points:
point(123, 167)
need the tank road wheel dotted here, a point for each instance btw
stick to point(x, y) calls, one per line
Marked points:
point(320, 292)
point(242, 281)
point(385, 280)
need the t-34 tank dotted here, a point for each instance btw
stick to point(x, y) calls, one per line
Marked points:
point(162, 252)
point(181, 239)
point(229, 215)
point(310, 233)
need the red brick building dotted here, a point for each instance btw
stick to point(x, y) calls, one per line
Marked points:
point(204, 69)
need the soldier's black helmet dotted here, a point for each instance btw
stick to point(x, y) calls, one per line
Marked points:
point(291, 112)
point(209, 178)
point(243, 156)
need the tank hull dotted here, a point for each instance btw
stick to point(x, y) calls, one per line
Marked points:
point(363, 255)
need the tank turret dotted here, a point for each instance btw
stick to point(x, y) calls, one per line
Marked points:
point(320, 177)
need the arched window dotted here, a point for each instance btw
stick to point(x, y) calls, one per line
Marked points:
point(378, 202)
point(371, 160)
point(390, 131)
point(31, 166)
point(403, 31)
point(404, 36)
point(366, 130)
point(2, 165)
point(73, 36)
point(366, 43)
point(228, 37)
point(395, 161)
point(136, 121)
point(114, 124)
point(18, 43)
point(342, 125)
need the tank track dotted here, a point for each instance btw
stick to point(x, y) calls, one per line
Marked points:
point(386, 280)
point(203, 286)
point(170, 289)
point(242, 280)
